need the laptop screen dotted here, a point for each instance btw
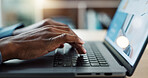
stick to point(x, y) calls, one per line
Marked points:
point(129, 29)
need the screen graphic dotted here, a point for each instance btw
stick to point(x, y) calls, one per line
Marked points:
point(129, 28)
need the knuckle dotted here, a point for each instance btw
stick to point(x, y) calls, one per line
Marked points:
point(46, 22)
point(76, 38)
point(46, 28)
point(68, 29)
point(49, 29)
point(46, 33)
point(50, 26)
point(47, 19)
point(65, 36)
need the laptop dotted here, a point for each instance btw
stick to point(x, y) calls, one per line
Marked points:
point(116, 57)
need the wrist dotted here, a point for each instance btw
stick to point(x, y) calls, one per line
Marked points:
point(6, 48)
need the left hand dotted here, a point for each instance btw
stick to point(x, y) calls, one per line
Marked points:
point(37, 25)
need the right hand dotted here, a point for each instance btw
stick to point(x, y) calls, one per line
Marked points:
point(38, 42)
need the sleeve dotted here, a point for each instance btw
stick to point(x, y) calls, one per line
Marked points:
point(8, 31)
point(0, 58)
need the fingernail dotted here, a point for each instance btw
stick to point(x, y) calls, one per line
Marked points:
point(81, 40)
point(84, 50)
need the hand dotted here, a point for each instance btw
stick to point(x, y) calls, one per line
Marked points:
point(37, 25)
point(38, 42)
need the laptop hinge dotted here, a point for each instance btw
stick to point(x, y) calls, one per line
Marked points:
point(113, 54)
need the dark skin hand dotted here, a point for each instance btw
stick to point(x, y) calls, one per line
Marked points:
point(37, 42)
point(42, 23)
point(46, 22)
point(37, 25)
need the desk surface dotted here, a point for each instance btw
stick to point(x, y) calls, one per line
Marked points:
point(142, 68)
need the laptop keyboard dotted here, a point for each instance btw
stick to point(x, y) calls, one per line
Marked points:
point(69, 58)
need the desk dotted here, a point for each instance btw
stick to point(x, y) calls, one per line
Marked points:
point(142, 68)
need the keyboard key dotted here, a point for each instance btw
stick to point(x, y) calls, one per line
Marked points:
point(103, 62)
point(85, 62)
point(91, 55)
point(74, 61)
point(100, 59)
point(86, 65)
point(92, 59)
point(104, 65)
point(85, 58)
point(60, 63)
point(67, 65)
point(55, 65)
point(71, 58)
point(94, 64)
point(74, 64)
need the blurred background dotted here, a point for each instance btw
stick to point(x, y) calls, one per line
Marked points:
point(78, 14)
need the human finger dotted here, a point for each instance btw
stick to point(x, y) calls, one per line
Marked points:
point(61, 46)
point(59, 27)
point(55, 30)
point(79, 48)
point(52, 22)
point(59, 40)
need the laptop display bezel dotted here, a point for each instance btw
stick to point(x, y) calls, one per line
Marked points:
point(122, 60)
